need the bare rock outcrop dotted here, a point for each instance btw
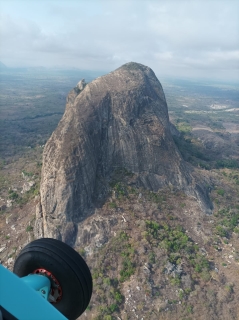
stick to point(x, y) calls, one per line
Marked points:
point(119, 120)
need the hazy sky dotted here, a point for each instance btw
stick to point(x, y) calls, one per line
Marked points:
point(185, 38)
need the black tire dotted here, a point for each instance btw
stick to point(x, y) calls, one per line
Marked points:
point(66, 265)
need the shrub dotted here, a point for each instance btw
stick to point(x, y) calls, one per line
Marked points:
point(112, 205)
point(103, 309)
point(82, 252)
point(205, 275)
point(151, 257)
point(229, 288)
point(189, 309)
point(119, 188)
point(175, 281)
point(27, 174)
point(228, 163)
point(106, 281)
point(124, 236)
point(155, 197)
point(29, 228)
point(184, 127)
point(187, 291)
point(204, 165)
point(118, 297)
point(221, 192)
point(236, 230)
point(113, 307)
point(13, 195)
point(221, 231)
point(152, 228)
point(181, 295)
point(127, 271)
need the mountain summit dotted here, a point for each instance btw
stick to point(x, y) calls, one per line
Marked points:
point(117, 121)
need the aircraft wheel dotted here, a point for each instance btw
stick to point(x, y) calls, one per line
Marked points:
point(69, 274)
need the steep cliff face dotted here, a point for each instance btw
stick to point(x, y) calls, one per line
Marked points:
point(119, 120)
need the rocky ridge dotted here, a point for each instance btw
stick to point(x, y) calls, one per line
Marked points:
point(117, 121)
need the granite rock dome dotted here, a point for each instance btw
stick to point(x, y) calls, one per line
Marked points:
point(119, 120)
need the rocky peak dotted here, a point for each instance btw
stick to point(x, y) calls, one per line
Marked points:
point(81, 85)
point(119, 120)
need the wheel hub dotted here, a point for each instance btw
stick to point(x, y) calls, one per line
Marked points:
point(56, 290)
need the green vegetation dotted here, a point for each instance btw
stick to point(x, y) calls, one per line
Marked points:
point(112, 205)
point(13, 195)
point(175, 281)
point(151, 257)
point(82, 252)
point(154, 243)
point(178, 247)
point(27, 196)
point(27, 174)
point(227, 222)
point(228, 163)
point(2, 163)
point(118, 254)
point(120, 189)
point(128, 252)
point(127, 270)
point(189, 309)
point(155, 197)
point(29, 228)
point(193, 151)
point(229, 287)
point(221, 192)
point(221, 231)
point(183, 127)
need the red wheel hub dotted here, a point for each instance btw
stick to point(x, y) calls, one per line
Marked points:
point(56, 290)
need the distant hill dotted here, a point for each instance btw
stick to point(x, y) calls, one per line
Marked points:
point(2, 66)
